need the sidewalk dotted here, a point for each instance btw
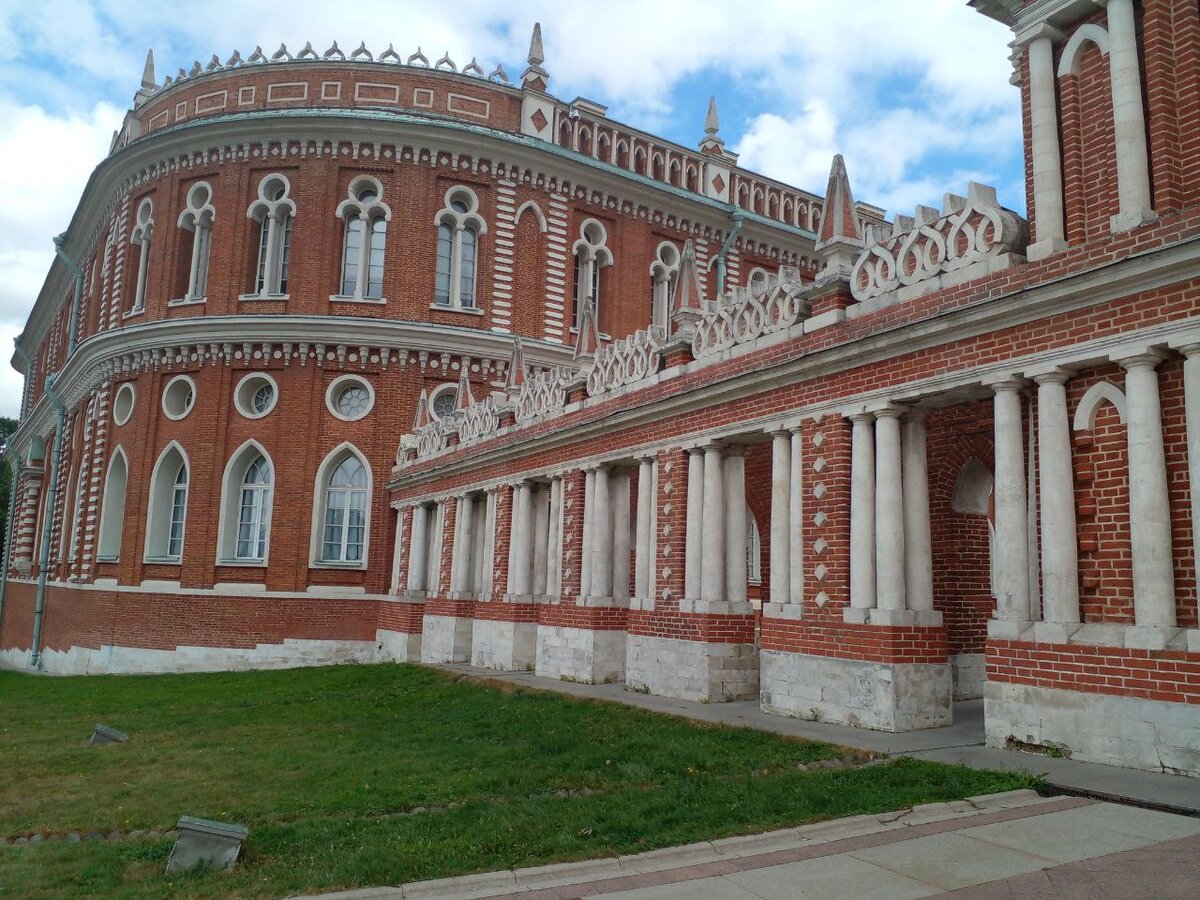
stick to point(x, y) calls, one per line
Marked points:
point(999, 846)
point(960, 743)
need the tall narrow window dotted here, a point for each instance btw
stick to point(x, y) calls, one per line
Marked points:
point(112, 511)
point(167, 513)
point(253, 509)
point(77, 517)
point(591, 255)
point(663, 273)
point(365, 217)
point(197, 219)
point(344, 510)
point(141, 236)
point(274, 211)
point(459, 226)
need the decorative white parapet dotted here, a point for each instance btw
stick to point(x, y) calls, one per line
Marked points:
point(543, 393)
point(746, 314)
point(625, 362)
point(970, 238)
point(480, 420)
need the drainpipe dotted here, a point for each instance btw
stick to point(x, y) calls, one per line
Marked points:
point(74, 267)
point(736, 216)
point(12, 519)
point(39, 604)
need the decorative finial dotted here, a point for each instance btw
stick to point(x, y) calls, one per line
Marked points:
point(839, 237)
point(588, 341)
point(421, 419)
point(148, 81)
point(463, 398)
point(516, 367)
point(711, 125)
point(537, 55)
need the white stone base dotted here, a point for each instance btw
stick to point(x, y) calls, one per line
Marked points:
point(446, 639)
point(580, 654)
point(1118, 731)
point(398, 646)
point(886, 697)
point(970, 675)
point(110, 660)
point(691, 670)
point(507, 646)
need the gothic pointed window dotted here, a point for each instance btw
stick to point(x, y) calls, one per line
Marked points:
point(112, 509)
point(364, 240)
point(345, 494)
point(247, 492)
point(253, 511)
point(274, 211)
point(143, 232)
point(459, 227)
point(196, 220)
point(168, 506)
point(591, 256)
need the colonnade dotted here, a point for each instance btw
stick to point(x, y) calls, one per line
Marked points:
point(891, 568)
point(715, 543)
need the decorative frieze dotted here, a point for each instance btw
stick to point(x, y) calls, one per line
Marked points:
point(746, 314)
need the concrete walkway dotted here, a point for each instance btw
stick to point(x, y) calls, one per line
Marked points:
point(960, 743)
point(1008, 845)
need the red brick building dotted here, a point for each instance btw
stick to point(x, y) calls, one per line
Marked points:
point(353, 358)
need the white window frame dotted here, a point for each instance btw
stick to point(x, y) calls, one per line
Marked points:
point(353, 208)
point(243, 395)
point(325, 471)
point(142, 237)
point(276, 215)
point(231, 499)
point(112, 509)
point(664, 272)
point(591, 256)
point(161, 506)
point(127, 386)
point(450, 387)
point(459, 221)
point(198, 217)
point(169, 394)
point(335, 388)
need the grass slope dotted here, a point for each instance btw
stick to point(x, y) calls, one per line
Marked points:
point(326, 766)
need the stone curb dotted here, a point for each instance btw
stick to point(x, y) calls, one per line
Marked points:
point(77, 837)
point(518, 881)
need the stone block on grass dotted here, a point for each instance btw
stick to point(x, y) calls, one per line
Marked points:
point(201, 842)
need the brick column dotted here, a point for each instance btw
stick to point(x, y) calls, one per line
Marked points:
point(672, 518)
point(573, 517)
point(502, 537)
point(446, 562)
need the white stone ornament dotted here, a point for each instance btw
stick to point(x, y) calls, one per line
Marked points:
point(747, 313)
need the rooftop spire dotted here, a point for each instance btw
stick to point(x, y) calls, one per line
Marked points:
point(148, 81)
point(516, 368)
point(535, 77)
point(537, 55)
point(712, 142)
point(839, 237)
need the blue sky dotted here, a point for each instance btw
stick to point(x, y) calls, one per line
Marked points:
point(914, 93)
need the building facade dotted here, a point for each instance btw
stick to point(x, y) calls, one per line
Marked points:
point(357, 358)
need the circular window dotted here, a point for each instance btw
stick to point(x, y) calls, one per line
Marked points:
point(349, 398)
point(123, 403)
point(442, 403)
point(179, 396)
point(256, 395)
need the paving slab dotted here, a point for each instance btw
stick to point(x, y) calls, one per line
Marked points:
point(949, 861)
point(827, 877)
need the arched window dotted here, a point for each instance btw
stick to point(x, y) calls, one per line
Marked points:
point(344, 491)
point(246, 499)
point(274, 212)
point(141, 236)
point(591, 255)
point(663, 273)
point(112, 512)
point(197, 219)
point(364, 240)
point(168, 506)
point(753, 549)
point(459, 226)
point(77, 517)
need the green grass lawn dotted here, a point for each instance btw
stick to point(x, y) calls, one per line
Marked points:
point(326, 766)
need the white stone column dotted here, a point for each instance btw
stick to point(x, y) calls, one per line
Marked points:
point(918, 542)
point(1046, 161)
point(889, 512)
point(488, 561)
point(1149, 499)
point(712, 563)
point(418, 549)
point(554, 541)
point(460, 561)
point(1012, 525)
point(796, 525)
point(622, 546)
point(693, 543)
point(735, 525)
point(1191, 402)
point(522, 540)
point(645, 500)
point(1129, 118)
point(585, 551)
point(1060, 551)
point(541, 539)
point(602, 535)
point(862, 512)
point(781, 490)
